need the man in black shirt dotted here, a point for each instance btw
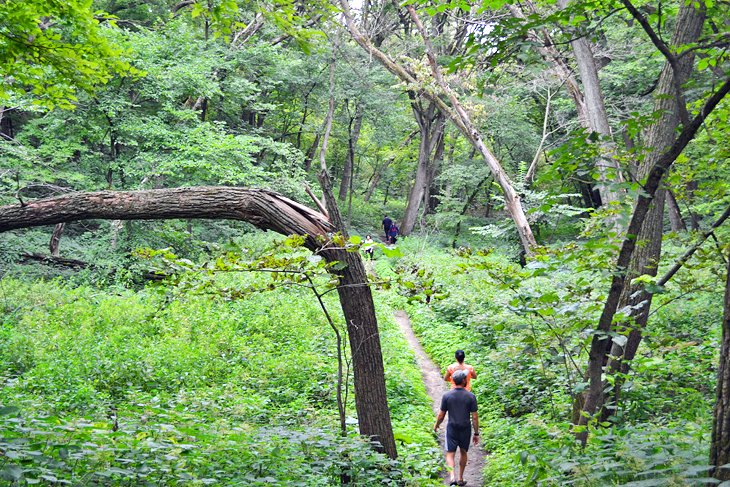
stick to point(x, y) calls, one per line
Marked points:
point(387, 223)
point(462, 408)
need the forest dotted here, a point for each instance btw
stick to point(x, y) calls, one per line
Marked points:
point(188, 293)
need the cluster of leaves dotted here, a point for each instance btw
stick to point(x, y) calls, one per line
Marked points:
point(52, 49)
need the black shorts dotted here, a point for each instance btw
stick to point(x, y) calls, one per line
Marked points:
point(457, 437)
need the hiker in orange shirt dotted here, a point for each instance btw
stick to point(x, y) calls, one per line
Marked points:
point(460, 365)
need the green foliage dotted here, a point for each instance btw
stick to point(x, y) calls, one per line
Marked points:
point(49, 50)
point(526, 331)
point(187, 390)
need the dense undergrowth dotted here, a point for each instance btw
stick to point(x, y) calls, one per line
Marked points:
point(522, 328)
point(111, 386)
point(109, 381)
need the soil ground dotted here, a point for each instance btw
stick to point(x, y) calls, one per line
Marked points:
point(436, 386)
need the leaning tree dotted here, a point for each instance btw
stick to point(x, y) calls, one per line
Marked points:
point(266, 210)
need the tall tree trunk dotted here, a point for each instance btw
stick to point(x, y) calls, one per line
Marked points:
point(354, 135)
point(607, 165)
point(647, 228)
point(356, 299)
point(431, 125)
point(430, 197)
point(589, 103)
point(660, 136)
point(720, 446)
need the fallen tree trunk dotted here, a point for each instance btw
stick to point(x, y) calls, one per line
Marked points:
point(75, 264)
point(264, 209)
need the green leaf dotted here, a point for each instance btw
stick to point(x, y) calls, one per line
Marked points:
point(12, 472)
point(5, 410)
point(391, 252)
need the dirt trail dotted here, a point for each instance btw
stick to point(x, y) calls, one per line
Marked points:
point(436, 386)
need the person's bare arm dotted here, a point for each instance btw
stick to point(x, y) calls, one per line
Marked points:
point(439, 420)
point(447, 375)
point(475, 425)
point(473, 373)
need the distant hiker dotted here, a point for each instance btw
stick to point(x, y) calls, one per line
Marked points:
point(387, 223)
point(460, 404)
point(393, 234)
point(460, 365)
point(368, 247)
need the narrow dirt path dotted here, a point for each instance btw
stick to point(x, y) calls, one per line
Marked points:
point(436, 386)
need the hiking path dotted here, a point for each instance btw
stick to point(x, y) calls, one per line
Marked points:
point(435, 386)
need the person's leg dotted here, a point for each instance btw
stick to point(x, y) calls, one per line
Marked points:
point(450, 465)
point(451, 443)
point(463, 457)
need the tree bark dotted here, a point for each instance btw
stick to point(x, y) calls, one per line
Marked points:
point(356, 299)
point(309, 157)
point(431, 195)
point(589, 106)
point(646, 257)
point(354, 132)
point(675, 214)
point(266, 210)
point(53, 246)
point(720, 446)
point(608, 168)
point(431, 125)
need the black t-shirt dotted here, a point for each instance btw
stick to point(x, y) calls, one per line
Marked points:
point(459, 404)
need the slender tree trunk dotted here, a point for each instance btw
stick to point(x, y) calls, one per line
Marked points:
point(465, 208)
point(720, 446)
point(305, 112)
point(309, 157)
point(694, 220)
point(56, 239)
point(607, 165)
point(356, 299)
point(430, 197)
point(589, 103)
point(675, 214)
point(376, 179)
point(354, 132)
point(379, 172)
